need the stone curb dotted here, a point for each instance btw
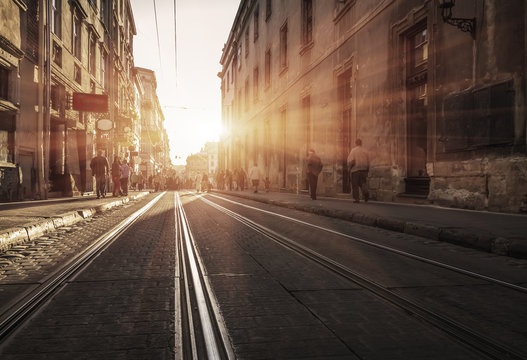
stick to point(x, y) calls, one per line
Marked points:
point(472, 238)
point(18, 235)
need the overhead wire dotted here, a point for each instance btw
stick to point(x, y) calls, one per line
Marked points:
point(175, 40)
point(157, 33)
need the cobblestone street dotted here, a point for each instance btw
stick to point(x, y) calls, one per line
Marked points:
point(274, 300)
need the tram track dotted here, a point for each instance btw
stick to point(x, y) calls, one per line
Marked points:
point(484, 345)
point(29, 302)
point(202, 332)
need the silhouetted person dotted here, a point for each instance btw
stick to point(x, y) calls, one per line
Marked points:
point(314, 167)
point(359, 165)
point(125, 174)
point(100, 169)
point(116, 176)
point(254, 176)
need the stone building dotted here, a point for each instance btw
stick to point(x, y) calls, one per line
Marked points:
point(51, 51)
point(435, 94)
point(153, 146)
point(211, 149)
point(19, 111)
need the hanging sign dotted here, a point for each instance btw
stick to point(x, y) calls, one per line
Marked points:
point(90, 102)
point(104, 124)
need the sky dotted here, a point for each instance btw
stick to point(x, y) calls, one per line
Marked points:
point(191, 96)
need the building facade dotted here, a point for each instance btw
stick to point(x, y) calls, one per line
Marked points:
point(154, 147)
point(19, 111)
point(50, 52)
point(439, 103)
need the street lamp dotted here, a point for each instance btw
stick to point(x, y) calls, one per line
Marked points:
point(466, 25)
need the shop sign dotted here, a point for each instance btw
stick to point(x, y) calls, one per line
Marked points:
point(90, 102)
point(104, 124)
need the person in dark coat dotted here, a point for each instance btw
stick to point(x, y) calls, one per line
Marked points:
point(116, 176)
point(314, 167)
point(100, 169)
point(240, 178)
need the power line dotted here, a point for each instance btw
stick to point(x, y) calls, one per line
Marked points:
point(175, 40)
point(158, 46)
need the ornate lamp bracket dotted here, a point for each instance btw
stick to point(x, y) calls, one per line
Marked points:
point(466, 25)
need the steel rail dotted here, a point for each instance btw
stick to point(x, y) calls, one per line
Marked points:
point(388, 248)
point(214, 333)
point(27, 304)
point(484, 345)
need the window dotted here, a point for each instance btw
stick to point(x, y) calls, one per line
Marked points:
point(104, 11)
point(103, 69)
point(77, 74)
point(255, 84)
point(267, 68)
point(5, 146)
point(57, 54)
point(55, 17)
point(268, 9)
point(77, 26)
point(306, 110)
point(247, 94)
point(239, 57)
point(256, 23)
point(239, 104)
point(55, 97)
point(4, 83)
point(91, 57)
point(247, 41)
point(307, 22)
point(283, 47)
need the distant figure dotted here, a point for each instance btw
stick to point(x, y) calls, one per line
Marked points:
point(116, 176)
point(140, 181)
point(314, 167)
point(100, 169)
point(157, 182)
point(133, 180)
point(228, 175)
point(125, 174)
point(267, 184)
point(359, 165)
point(254, 176)
point(204, 182)
point(240, 178)
point(220, 180)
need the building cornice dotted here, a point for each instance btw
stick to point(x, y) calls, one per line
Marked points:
point(239, 22)
point(21, 4)
point(10, 47)
point(77, 4)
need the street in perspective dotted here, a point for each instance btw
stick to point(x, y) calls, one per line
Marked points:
point(263, 179)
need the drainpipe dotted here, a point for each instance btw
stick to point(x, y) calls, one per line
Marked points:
point(45, 90)
point(40, 104)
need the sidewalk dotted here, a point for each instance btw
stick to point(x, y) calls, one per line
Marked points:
point(27, 220)
point(502, 234)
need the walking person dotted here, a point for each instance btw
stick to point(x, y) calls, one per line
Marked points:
point(116, 176)
point(359, 165)
point(228, 175)
point(314, 167)
point(241, 179)
point(100, 169)
point(125, 174)
point(254, 176)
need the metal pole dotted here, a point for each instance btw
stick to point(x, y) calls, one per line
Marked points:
point(47, 92)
